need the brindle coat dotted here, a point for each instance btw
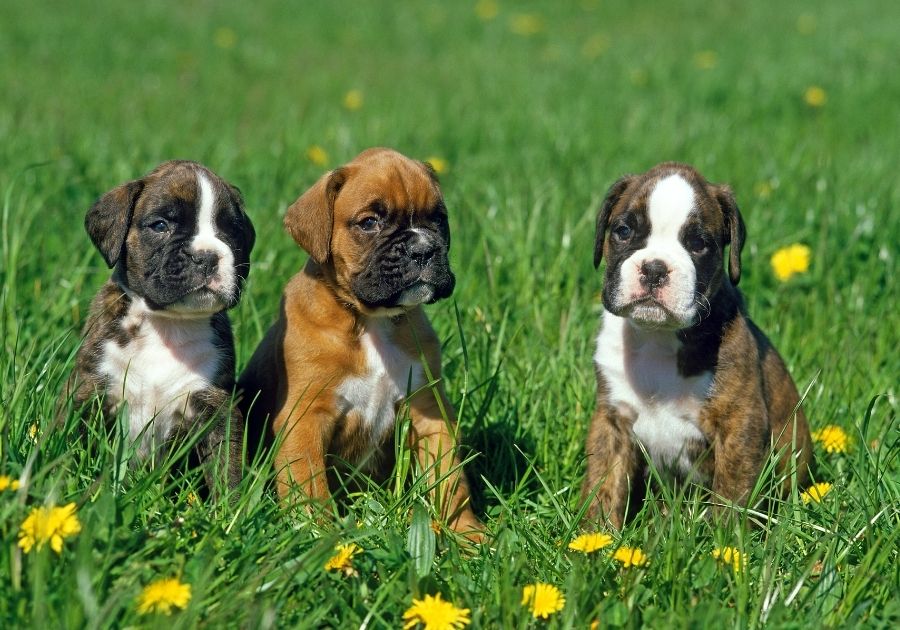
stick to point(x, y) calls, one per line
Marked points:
point(751, 407)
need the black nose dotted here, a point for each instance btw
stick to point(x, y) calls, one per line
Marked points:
point(207, 260)
point(421, 250)
point(654, 274)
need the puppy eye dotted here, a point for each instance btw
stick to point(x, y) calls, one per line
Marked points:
point(623, 232)
point(369, 224)
point(159, 226)
point(697, 244)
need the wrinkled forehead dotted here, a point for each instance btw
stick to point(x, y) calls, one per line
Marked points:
point(183, 185)
point(398, 184)
point(670, 199)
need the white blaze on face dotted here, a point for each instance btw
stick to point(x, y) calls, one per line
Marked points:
point(668, 208)
point(206, 239)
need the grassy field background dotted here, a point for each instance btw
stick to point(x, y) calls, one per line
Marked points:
point(536, 108)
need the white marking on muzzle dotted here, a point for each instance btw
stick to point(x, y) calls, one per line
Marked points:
point(206, 240)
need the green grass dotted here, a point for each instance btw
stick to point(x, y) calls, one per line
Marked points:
point(534, 131)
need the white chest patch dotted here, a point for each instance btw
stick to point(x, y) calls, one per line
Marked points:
point(164, 361)
point(390, 375)
point(641, 371)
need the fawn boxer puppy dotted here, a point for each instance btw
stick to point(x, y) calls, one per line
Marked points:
point(157, 340)
point(681, 369)
point(332, 372)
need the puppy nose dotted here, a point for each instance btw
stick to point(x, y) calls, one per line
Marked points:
point(207, 260)
point(654, 274)
point(421, 250)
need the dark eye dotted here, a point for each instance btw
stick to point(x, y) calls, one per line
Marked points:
point(159, 226)
point(696, 243)
point(623, 232)
point(369, 224)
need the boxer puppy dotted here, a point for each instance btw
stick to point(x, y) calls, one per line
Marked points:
point(681, 369)
point(157, 340)
point(332, 373)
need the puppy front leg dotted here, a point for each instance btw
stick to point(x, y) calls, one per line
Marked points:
point(434, 442)
point(611, 465)
point(741, 448)
point(220, 449)
point(300, 460)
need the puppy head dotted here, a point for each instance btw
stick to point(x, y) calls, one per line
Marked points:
point(663, 234)
point(178, 237)
point(378, 225)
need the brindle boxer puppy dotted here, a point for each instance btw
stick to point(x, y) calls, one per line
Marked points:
point(332, 372)
point(157, 340)
point(681, 369)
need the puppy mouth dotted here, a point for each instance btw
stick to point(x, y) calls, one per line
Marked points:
point(403, 293)
point(201, 300)
point(650, 311)
point(419, 293)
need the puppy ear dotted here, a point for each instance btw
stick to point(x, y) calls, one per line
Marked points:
point(735, 232)
point(310, 219)
point(429, 168)
point(108, 220)
point(249, 232)
point(613, 195)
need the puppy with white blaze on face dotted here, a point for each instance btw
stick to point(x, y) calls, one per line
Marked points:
point(681, 370)
point(157, 343)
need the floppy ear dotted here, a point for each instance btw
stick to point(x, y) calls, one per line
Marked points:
point(249, 232)
point(429, 167)
point(108, 220)
point(310, 219)
point(613, 195)
point(735, 232)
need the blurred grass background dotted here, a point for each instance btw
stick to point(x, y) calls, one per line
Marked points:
point(535, 108)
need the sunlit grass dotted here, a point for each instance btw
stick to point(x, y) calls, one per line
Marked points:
point(530, 119)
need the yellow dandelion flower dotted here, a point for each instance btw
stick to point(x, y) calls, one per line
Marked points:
point(33, 432)
point(806, 24)
point(225, 38)
point(486, 9)
point(706, 59)
point(343, 559)
point(816, 492)
point(353, 100)
point(48, 524)
point(595, 46)
point(790, 260)
point(526, 24)
point(732, 556)
point(435, 614)
point(317, 155)
point(8, 483)
point(630, 557)
point(763, 189)
point(833, 438)
point(543, 599)
point(589, 543)
point(163, 595)
point(638, 77)
point(440, 165)
point(815, 96)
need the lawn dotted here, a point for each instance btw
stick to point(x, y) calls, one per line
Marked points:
point(532, 110)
